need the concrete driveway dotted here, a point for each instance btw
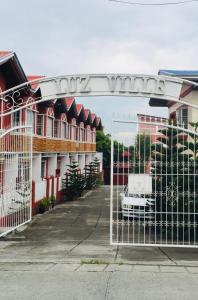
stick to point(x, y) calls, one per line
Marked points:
point(65, 254)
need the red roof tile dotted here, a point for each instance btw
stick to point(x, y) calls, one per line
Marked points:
point(98, 119)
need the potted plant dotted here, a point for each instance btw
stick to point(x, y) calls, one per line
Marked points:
point(43, 205)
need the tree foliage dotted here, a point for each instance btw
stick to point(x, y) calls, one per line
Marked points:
point(103, 144)
point(142, 152)
point(74, 181)
point(92, 174)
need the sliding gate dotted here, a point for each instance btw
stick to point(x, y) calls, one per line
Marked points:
point(15, 178)
point(154, 183)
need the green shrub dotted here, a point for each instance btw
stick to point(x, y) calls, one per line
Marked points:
point(92, 174)
point(44, 205)
point(74, 183)
point(52, 200)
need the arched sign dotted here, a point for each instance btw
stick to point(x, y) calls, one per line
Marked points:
point(129, 85)
point(160, 87)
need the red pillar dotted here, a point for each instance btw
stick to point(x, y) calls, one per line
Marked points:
point(33, 198)
point(47, 186)
point(52, 177)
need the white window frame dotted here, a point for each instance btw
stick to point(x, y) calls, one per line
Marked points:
point(180, 116)
point(15, 122)
point(58, 127)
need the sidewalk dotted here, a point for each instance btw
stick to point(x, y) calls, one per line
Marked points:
point(98, 282)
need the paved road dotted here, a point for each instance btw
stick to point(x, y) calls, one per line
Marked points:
point(65, 254)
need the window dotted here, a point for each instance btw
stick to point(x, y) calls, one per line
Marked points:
point(49, 127)
point(43, 168)
point(182, 117)
point(30, 119)
point(16, 118)
point(40, 125)
point(56, 126)
point(63, 130)
point(76, 137)
point(89, 135)
point(73, 132)
point(69, 132)
point(82, 135)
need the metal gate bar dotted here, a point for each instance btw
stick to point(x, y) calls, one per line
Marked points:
point(154, 183)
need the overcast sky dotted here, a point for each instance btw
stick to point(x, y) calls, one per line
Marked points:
point(57, 37)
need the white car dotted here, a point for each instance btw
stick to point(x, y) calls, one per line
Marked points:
point(135, 200)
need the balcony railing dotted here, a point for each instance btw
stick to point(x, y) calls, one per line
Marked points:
point(70, 133)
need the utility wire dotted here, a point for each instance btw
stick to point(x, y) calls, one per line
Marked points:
point(153, 4)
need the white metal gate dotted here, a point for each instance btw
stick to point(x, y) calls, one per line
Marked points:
point(15, 178)
point(154, 183)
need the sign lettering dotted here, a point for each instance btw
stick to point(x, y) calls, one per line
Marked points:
point(110, 84)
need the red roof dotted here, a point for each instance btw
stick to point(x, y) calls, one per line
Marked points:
point(79, 108)
point(5, 53)
point(34, 77)
point(69, 101)
point(98, 119)
point(87, 112)
point(93, 116)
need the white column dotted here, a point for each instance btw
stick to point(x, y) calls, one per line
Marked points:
point(74, 156)
point(36, 168)
point(52, 165)
point(64, 164)
point(81, 161)
point(88, 158)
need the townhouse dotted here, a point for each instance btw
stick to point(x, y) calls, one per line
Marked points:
point(62, 131)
